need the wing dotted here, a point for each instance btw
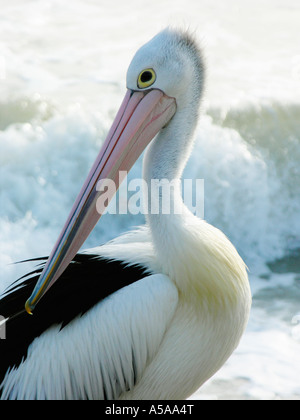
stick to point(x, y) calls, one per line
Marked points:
point(101, 354)
point(87, 280)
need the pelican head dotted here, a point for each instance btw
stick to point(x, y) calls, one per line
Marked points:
point(170, 62)
point(164, 81)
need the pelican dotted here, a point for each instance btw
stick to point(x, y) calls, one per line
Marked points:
point(154, 313)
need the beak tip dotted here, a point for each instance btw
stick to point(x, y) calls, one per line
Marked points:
point(28, 307)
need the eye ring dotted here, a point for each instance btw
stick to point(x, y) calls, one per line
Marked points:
point(146, 78)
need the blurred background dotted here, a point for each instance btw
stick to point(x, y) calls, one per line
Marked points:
point(62, 78)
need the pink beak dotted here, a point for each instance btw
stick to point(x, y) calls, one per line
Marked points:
point(140, 117)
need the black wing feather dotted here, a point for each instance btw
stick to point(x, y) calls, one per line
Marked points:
point(87, 280)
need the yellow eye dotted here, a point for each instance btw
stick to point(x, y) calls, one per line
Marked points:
point(146, 78)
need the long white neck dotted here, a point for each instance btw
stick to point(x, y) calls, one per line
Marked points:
point(165, 160)
point(198, 257)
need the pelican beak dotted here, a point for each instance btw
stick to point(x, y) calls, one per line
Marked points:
point(139, 119)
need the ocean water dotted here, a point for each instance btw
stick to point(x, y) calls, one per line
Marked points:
point(62, 78)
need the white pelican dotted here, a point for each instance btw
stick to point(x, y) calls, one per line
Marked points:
point(154, 313)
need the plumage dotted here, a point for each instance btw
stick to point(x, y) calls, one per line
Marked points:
point(157, 311)
point(21, 330)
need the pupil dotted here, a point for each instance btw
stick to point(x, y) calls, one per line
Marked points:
point(146, 76)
